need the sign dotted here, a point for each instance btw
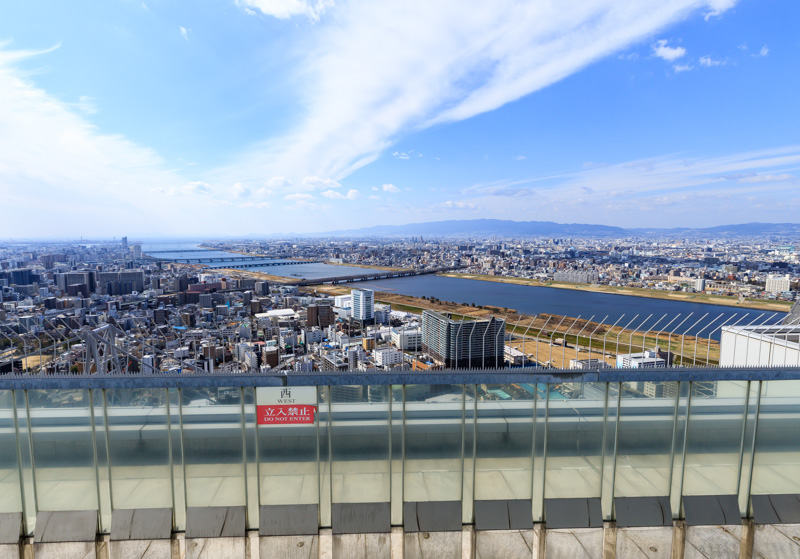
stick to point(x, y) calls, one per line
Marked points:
point(287, 405)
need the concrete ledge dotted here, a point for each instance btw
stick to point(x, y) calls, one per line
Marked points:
point(362, 546)
point(215, 548)
point(574, 543)
point(703, 542)
point(63, 550)
point(290, 547)
point(641, 543)
point(776, 540)
point(510, 544)
point(432, 545)
point(10, 551)
point(140, 549)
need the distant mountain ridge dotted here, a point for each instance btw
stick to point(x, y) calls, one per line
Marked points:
point(509, 228)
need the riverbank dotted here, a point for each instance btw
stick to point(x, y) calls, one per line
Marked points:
point(367, 266)
point(779, 306)
point(554, 340)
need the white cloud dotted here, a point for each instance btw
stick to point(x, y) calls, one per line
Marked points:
point(664, 51)
point(316, 183)
point(708, 61)
point(184, 32)
point(284, 9)
point(521, 157)
point(718, 7)
point(401, 155)
point(278, 182)
point(335, 195)
point(239, 190)
point(682, 68)
point(371, 76)
point(197, 187)
point(767, 178)
point(695, 190)
point(298, 196)
point(55, 161)
point(764, 51)
point(390, 188)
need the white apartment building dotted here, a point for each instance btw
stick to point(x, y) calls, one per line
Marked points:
point(363, 304)
point(777, 284)
point(409, 339)
point(387, 357)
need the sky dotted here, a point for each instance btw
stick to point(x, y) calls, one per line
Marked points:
point(264, 117)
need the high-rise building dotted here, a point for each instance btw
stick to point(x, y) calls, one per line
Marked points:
point(363, 305)
point(463, 344)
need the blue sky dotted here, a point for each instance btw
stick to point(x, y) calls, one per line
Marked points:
point(236, 117)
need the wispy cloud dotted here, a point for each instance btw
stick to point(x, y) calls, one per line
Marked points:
point(682, 68)
point(58, 162)
point(390, 188)
point(184, 32)
point(708, 62)
point(336, 195)
point(284, 9)
point(372, 79)
point(764, 51)
point(705, 189)
point(666, 52)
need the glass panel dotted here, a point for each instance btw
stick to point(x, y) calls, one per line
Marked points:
point(539, 446)
point(175, 433)
point(26, 461)
point(10, 496)
point(714, 439)
point(213, 446)
point(101, 458)
point(398, 447)
point(468, 478)
point(138, 445)
point(63, 450)
point(433, 442)
point(323, 439)
point(611, 426)
point(776, 467)
point(575, 440)
point(251, 446)
point(288, 458)
point(644, 439)
point(503, 467)
point(360, 444)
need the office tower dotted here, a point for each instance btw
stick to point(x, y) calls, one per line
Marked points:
point(125, 242)
point(463, 344)
point(363, 305)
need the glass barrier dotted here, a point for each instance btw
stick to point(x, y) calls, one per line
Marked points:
point(10, 494)
point(575, 423)
point(64, 463)
point(360, 442)
point(139, 448)
point(434, 424)
point(504, 460)
point(776, 465)
point(213, 446)
point(714, 440)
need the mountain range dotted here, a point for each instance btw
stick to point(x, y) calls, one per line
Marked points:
point(506, 228)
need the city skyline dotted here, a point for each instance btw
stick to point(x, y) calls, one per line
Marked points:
point(256, 117)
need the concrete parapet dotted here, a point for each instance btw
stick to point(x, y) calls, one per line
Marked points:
point(644, 543)
point(288, 547)
point(574, 543)
point(776, 540)
point(703, 542)
point(432, 545)
point(362, 546)
point(744, 541)
point(511, 544)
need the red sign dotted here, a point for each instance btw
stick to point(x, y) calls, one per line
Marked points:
point(286, 414)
